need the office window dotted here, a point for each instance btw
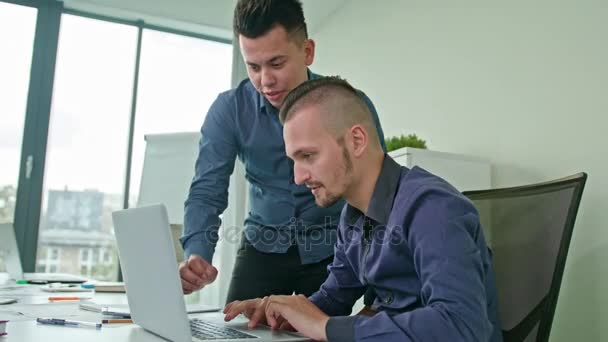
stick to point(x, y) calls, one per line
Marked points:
point(179, 79)
point(84, 255)
point(49, 260)
point(106, 257)
point(87, 144)
point(88, 261)
point(17, 29)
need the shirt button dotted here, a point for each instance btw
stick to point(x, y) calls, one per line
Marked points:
point(389, 298)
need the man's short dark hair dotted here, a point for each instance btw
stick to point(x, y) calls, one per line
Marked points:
point(254, 18)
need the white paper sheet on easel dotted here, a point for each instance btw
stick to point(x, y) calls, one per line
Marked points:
point(168, 170)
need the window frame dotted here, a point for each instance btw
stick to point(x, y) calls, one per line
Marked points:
point(37, 116)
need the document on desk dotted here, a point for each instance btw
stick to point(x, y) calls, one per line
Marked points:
point(123, 309)
point(28, 312)
point(19, 290)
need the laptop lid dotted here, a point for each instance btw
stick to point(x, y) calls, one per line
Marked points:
point(149, 267)
point(9, 253)
point(150, 272)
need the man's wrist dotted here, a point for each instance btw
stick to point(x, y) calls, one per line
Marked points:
point(324, 328)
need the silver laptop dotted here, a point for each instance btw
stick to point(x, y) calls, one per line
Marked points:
point(9, 254)
point(150, 272)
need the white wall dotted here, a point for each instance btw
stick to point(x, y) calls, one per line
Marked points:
point(525, 86)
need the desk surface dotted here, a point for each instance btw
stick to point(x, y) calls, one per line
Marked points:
point(24, 328)
point(31, 331)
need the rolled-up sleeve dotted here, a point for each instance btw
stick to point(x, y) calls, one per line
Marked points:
point(208, 195)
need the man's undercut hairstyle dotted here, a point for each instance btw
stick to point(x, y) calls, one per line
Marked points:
point(254, 18)
point(341, 106)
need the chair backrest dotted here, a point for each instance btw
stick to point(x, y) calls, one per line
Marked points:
point(529, 229)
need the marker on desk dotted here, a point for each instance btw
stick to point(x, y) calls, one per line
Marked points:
point(52, 299)
point(77, 324)
point(110, 321)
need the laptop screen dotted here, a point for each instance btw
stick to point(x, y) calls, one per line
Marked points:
point(9, 253)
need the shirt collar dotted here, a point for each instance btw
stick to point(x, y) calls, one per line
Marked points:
point(267, 107)
point(381, 202)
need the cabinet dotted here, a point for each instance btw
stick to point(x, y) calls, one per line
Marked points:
point(462, 171)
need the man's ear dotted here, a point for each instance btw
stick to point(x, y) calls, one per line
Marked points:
point(309, 51)
point(360, 139)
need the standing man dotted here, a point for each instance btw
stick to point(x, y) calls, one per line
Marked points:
point(288, 241)
point(406, 233)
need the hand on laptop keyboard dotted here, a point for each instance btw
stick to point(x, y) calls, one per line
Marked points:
point(209, 331)
point(282, 312)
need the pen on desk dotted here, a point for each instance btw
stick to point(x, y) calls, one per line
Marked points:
point(67, 298)
point(109, 321)
point(78, 324)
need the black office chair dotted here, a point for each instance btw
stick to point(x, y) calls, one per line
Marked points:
point(529, 229)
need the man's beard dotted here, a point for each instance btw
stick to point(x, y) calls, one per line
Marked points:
point(332, 198)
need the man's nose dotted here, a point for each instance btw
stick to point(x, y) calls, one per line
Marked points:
point(300, 174)
point(268, 78)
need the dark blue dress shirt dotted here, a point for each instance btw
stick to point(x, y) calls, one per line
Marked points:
point(421, 247)
point(242, 123)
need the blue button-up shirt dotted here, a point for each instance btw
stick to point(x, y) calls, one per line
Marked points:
point(242, 123)
point(426, 258)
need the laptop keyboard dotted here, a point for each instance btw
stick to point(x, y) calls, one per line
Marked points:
point(209, 331)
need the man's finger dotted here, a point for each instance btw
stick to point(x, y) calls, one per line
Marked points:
point(286, 326)
point(229, 305)
point(258, 313)
point(198, 265)
point(274, 310)
point(187, 286)
point(210, 274)
point(235, 308)
point(187, 275)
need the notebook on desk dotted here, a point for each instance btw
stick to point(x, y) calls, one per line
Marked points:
point(154, 292)
point(12, 262)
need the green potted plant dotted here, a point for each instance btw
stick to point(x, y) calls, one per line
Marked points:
point(410, 140)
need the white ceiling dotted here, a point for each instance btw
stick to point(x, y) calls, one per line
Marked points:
point(211, 16)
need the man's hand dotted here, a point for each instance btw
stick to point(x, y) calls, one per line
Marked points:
point(252, 309)
point(282, 312)
point(299, 312)
point(195, 273)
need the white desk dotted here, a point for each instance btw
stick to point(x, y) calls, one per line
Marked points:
point(25, 329)
point(32, 331)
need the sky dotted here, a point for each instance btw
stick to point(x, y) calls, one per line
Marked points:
point(91, 105)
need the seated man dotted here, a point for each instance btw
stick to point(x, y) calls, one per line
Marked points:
point(409, 235)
